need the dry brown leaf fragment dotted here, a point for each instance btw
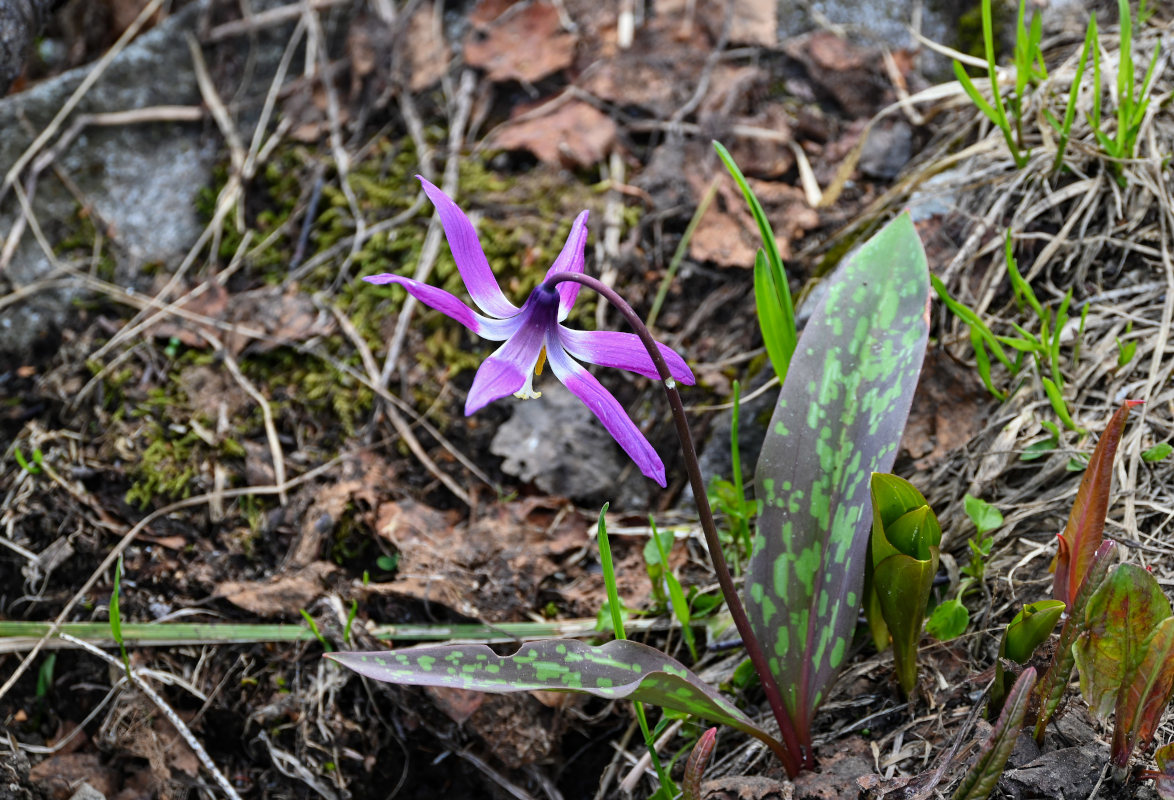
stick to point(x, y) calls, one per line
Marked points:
point(282, 595)
point(428, 54)
point(525, 43)
point(573, 133)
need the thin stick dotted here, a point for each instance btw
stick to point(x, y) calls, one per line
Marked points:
point(793, 755)
point(164, 709)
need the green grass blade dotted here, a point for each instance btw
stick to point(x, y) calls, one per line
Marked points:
point(778, 278)
point(1090, 40)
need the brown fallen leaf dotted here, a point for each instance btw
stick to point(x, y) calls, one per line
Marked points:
point(490, 568)
point(277, 315)
point(853, 75)
point(428, 53)
point(525, 42)
point(572, 133)
point(949, 408)
point(282, 595)
point(658, 73)
point(58, 776)
point(728, 236)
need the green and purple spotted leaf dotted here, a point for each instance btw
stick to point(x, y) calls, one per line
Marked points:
point(617, 670)
point(839, 418)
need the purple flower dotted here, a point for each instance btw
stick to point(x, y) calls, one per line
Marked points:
point(534, 332)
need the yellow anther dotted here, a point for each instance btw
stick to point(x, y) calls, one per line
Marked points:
point(541, 362)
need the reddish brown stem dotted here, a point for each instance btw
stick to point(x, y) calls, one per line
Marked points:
point(794, 756)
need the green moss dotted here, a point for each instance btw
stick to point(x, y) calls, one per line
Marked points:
point(168, 466)
point(85, 242)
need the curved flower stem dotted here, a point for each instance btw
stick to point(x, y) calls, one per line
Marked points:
point(793, 755)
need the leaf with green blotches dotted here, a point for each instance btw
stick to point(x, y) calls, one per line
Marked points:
point(1157, 452)
point(984, 516)
point(1142, 700)
point(838, 419)
point(904, 559)
point(617, 670)
point(1086, 523)
point(948, 620)
point(1026, 631)
point(1120, 617)
point(980, 780)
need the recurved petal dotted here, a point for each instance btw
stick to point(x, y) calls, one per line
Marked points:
point(506, 371)
point(467, 252)
point(570, 259)
point(493, 329)
point(623, 351)
point(609, 411)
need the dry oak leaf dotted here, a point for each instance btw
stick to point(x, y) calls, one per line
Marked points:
point(573, 133)
point(525, 43)
point(427, 50)
point(728, 236)
point(281, 596)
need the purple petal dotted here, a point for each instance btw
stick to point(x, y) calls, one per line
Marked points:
point(623, 351)
point(493, 329)
point(467, 252)
point(609, 411)
point(507, 370)
point(570, 260)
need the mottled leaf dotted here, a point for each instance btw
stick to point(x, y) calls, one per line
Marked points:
point(1142, 700)
point(1055, 681)
point(839, 418)
point(904, 560)
point(1027, 631)
point(1120, 617)
point(1086, 524)
point(980, 780)
point(617, 670)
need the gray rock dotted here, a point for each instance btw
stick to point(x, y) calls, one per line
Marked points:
point(887, 149)
point(141, 179)
point(556, 442)
point(87, 792)
point(1059, 775)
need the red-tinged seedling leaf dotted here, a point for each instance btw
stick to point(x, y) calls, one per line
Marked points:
point(1164, 778)
point(904, 558)
point(982, 777)
point(1143, 699)
point(1027, 631)
point(695, 766)
point(839, 418)
point(1086, 524)
point(1120, 618)
point(1055, 681)
point(617, 670)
